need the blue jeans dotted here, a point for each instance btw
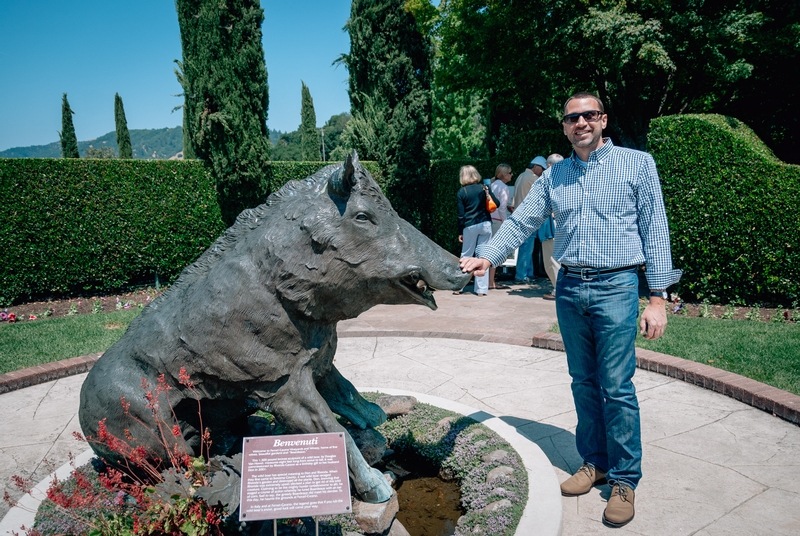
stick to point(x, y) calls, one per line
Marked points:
point(525, 258)
point(474, 236)
point(597, 318)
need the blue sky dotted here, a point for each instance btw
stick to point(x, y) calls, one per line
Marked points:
point(92, 49)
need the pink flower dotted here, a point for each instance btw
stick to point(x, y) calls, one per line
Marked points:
point(32, 317)
point(3, 316)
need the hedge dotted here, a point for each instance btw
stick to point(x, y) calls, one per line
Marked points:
point(733, 209)
point(78, 226)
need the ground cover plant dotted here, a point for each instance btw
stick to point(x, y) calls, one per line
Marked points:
point(105, 501)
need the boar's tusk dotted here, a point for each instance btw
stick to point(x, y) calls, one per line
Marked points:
point(422, 286)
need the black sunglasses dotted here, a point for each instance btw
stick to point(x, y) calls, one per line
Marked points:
point(590, 117)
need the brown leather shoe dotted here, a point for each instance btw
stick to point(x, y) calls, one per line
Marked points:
point(619, 510)
point(582, 481)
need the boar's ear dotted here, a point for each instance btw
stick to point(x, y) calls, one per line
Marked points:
point(342, 180)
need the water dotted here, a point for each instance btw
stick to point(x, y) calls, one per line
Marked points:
point(429, 506)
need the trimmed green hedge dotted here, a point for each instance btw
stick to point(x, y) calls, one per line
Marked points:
point(733, 209)
point(76, 226)
point(71, 226)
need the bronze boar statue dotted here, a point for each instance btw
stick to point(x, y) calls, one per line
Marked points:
point(253, 324)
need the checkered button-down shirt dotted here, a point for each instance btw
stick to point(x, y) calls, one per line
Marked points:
point(609, 214)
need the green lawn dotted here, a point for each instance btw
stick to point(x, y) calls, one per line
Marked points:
point(26, 344)
point(766, 352)
point(762, 351)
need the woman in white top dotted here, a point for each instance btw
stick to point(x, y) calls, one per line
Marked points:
point(502, 176)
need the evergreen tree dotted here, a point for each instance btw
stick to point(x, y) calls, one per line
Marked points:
point(123, 136)
point(69, 142)
point(389, 67)
point(224, 80)
point(308, 128)
point(188, 148)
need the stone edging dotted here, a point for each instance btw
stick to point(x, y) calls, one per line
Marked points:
point(756, 394)
point(751, 392)
point(19, 379)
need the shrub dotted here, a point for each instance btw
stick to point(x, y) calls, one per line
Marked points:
point(73, 226)
point(69, 226)
point(732, 208)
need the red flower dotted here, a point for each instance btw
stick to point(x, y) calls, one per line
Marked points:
point(176, 430)
point(12, 317)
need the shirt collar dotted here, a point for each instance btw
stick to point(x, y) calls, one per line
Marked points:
point(599, 154)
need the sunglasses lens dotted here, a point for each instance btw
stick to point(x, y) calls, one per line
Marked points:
point(589, 117)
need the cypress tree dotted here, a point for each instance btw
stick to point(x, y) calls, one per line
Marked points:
point(224, 80)
point(69, 142)
point(308, 128)
point(390, 73)
point(123, 135)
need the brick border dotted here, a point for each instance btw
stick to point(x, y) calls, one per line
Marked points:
point(19, 379)
point(756, 394)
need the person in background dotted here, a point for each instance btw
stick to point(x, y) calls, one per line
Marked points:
point(546, 233)
point(499, 187)
point(474, 221)
point(610, 218)
point(522, 186)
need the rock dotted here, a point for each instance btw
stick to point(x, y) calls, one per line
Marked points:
point(500, 492)
point(479, 443)
point(370, 442)
point(389, 477)
point(494, 456)
point(499, 472)
point(495, 506)
point(446, 422)
point(396, 469)
point(397, 529)
point(396, 405)
point(375, 518)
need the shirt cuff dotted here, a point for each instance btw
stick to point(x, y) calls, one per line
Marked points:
point(659, 280)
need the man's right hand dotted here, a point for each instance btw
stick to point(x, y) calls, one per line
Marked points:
point(476, 266)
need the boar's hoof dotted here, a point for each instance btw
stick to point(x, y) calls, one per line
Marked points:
point(374, 488)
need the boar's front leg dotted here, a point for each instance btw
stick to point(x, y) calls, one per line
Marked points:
point(343, 399)
point(300, 408)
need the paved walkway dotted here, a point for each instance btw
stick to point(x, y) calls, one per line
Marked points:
point(713, 465)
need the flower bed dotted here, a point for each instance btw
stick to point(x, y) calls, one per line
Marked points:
point(462, 450)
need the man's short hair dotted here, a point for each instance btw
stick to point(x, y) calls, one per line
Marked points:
point(554, 159)
point(585, 95)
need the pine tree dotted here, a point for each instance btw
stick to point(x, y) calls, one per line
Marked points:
point(123, 135)
point(308, 128)
point(389, 67)
point(69, 142)
point(224, 80)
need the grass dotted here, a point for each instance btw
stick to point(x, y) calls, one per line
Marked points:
point(768, 352)
point(31, 343)
point(763, 351)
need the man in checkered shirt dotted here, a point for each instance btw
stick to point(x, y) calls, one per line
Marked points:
point(610, 221)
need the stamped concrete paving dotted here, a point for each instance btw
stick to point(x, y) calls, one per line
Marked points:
point(712, 465)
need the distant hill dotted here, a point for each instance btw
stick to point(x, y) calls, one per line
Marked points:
point(148, 144)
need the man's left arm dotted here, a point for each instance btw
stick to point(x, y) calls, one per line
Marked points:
point(654, 233)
